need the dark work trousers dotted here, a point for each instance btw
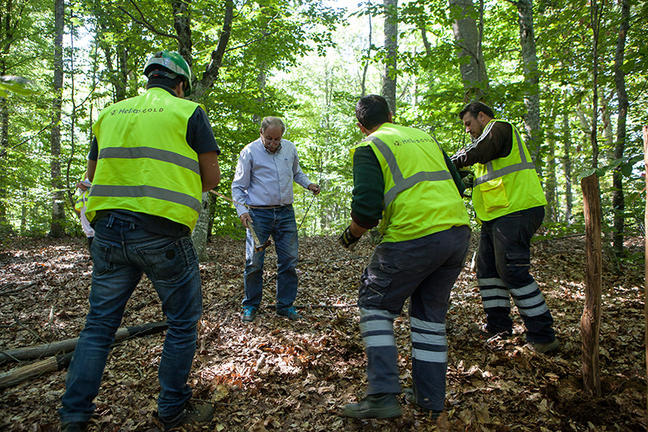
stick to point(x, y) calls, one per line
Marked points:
point(424, 269)
point(503, 264)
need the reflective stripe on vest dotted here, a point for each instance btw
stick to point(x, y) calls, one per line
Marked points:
point(151, 153)
point(400, 183)
point(147, 191)
point(419, 197)
point(145, 163)
point(492, 173)
point(507, 184)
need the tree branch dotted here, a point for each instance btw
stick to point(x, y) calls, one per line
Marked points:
point(145, 23)
point(211, 74)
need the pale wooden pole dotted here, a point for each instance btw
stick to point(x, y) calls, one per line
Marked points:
point(591, 318)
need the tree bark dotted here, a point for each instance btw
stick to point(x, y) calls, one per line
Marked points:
point(468, 42)
point(533, 131)
point(618, 199)
point(58, 210)
point(645, 140)
point(5, 227)
point(365, 68)
point(182, 25)
point(199, 234)
point(595, 20)
point(567, 168)
point(211, 74)
point(591, 318)
point(391, 47)
point(551, 184)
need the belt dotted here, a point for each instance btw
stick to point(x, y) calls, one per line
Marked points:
point(270, 206)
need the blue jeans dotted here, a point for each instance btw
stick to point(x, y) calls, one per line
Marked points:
point(122, 252)
point(280, 224)
point(503, 265)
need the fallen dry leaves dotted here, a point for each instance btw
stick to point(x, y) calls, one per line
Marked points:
point(275, 374)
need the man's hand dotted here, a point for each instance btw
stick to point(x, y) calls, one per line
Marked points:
point(468, 177)
point(347, 239)
point(314, 188)
point(245, 219)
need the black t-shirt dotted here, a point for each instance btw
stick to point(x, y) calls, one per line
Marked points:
point(201, 139)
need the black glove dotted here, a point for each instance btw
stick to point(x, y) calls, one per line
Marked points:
point(468, 178)
point(348, 240)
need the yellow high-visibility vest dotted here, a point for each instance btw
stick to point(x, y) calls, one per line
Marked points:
point(507, 184)
point(145, 163)
point(420, 195)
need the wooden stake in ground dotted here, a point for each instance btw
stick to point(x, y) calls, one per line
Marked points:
point(645, 140)
point(591, 318)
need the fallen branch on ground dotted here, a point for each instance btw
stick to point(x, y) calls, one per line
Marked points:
point(61, 361)
point(67, 345)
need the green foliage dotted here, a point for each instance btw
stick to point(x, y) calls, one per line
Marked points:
point(303, 60)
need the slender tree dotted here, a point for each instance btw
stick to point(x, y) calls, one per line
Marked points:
point(365, 67)
point(391, 49)
point(533, 131)
point(618, 200)
point(567, 165)
point(58, 209)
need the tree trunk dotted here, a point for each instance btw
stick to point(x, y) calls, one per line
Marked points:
point(58, 209)
point(591, 318)
point(533, 131)
point(391, 47)
point(199, 234)
point(182, 25)
point(618, 199)
point(468, 42)
point(567, 169)
point(5, 227)
point(595, 20)
point(211, 73)
point(550, 185)
point(365, 68)
point(645, 140)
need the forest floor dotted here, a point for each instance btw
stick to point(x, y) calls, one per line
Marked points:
point(275, 374)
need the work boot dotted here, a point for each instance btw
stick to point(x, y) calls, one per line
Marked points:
point(289, 312)
point(383, 405)
point(192, 412)
point(249, 313)
point(74, 427)
point(439, 418)
point(484, 331)
point(545, 348)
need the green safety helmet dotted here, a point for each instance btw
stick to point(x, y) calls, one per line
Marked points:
point(172, 62)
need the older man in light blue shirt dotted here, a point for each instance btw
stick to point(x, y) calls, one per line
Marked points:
point(263, 182)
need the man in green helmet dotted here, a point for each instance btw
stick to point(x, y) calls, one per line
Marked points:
point(152, 157)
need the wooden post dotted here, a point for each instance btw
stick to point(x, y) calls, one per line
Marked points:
point(591, 318)
point(645, 140)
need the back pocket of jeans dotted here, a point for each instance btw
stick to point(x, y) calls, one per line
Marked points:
point(101, 257)
point(165, 264)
